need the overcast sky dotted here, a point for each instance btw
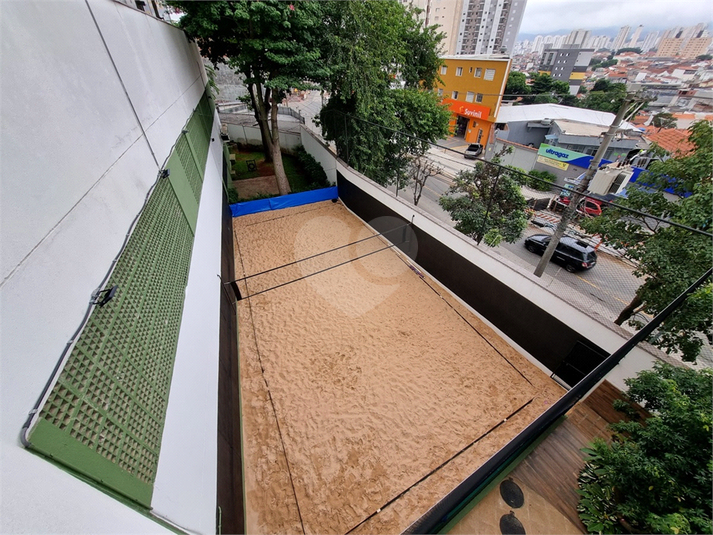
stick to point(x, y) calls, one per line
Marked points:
point(554, 16)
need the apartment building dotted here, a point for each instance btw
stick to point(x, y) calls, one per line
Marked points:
point(568, 64)
point(472, 88)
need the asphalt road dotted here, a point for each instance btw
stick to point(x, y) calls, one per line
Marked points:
point(606, 289)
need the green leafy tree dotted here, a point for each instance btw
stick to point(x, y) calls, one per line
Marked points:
point(605, 96)
point(637, 50)
point(486, 203)
point(545, 178)
point(704, 57)
point(382, 111)
point(657, 473)
point(669, 258)
point(664, 120)
point(516, 85)
point(276, 47)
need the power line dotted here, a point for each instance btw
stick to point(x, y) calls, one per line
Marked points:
point(523, 173)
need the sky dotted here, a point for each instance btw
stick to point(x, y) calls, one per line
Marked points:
point(560, 16)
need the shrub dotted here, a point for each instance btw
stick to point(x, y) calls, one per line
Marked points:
point(656, 475)
point(313, 169)
point(539, 185)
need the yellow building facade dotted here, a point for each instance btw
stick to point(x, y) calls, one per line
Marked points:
point(472, 87)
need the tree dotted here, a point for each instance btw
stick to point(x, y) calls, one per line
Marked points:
point(273, 44)
point(420, 170)
point(664, 120)
point(486, 203)
point(377, 127)
point(669, 258)
point(605, 96)
point(704, 57)
point(636, 50)
point(656, 475)
point(516, 84)
point(544, 184)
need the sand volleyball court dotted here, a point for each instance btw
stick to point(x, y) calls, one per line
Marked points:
point(368, 392)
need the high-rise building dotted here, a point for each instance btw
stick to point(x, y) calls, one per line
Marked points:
point(538, 44)
point(635, 36)
point(669, 47)
point(620, 38)
point(445, 14)
point(651, 41)
point(696, 46)
point(577, 37)
point(489, 26)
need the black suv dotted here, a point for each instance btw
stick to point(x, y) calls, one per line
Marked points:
point(573, 253)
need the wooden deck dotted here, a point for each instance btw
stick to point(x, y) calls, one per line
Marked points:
point(552, 468)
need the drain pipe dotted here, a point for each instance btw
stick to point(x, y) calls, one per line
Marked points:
point(436, 518)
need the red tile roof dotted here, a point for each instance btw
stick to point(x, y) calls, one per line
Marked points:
point(672, 140)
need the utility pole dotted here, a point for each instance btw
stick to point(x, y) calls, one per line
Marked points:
point(571, 209)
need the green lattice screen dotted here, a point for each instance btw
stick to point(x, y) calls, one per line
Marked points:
point(105, 415)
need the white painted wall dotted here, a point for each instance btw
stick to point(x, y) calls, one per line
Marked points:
point(320, 152)
point(526, 284)
point(250, 135)
point(76, 165)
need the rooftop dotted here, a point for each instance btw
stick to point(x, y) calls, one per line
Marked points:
point(672, 140)
point(539, 112)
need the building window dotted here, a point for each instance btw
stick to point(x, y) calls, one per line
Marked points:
point(489, 74)
point(459, 71)
point(444, 69)
point(440, 92)
point(479, 97)
point(454, 95)
point(478, 72)
point(469, 96)
point(480, 135)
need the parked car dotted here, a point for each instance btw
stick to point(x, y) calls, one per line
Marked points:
point(587, 206)
point(576, 255)
point(473, 151)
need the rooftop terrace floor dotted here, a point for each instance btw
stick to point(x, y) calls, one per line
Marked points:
point(368, 391)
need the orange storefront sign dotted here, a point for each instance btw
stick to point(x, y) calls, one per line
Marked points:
point(466, 109)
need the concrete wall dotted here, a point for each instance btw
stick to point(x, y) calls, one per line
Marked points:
point(93, 98)
point(524, 283)
point(250, 135)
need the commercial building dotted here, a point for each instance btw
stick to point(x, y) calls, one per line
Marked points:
point(472, 88)
point(112, 221)
point(568, 64)
point(563, 127)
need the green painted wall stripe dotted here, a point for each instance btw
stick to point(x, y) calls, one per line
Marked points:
point(105, 415)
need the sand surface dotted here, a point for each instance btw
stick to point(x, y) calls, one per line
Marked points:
point(368, 391)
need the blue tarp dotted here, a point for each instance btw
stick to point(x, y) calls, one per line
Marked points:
point(284, 201)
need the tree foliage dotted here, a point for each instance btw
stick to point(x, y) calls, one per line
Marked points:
point(381, 112)
point(656, 475)
point(486, 203)
point(516, 85)
point(275, 45)
point(605, 96)
point(664, 120)
point(420, 169)
point(543, 184)
point(669, 258)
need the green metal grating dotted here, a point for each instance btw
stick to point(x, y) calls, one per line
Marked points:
point(105, 415)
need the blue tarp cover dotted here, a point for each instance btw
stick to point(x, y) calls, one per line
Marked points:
point(284, 201)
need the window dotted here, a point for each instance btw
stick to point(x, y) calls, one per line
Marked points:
point(478, 72)
point(480, 135)
point(440, 92)
point(479, 97)
point(469, 96)
point(444, 69)
point(459, 71)
point(454, 95)
point(489, 74)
